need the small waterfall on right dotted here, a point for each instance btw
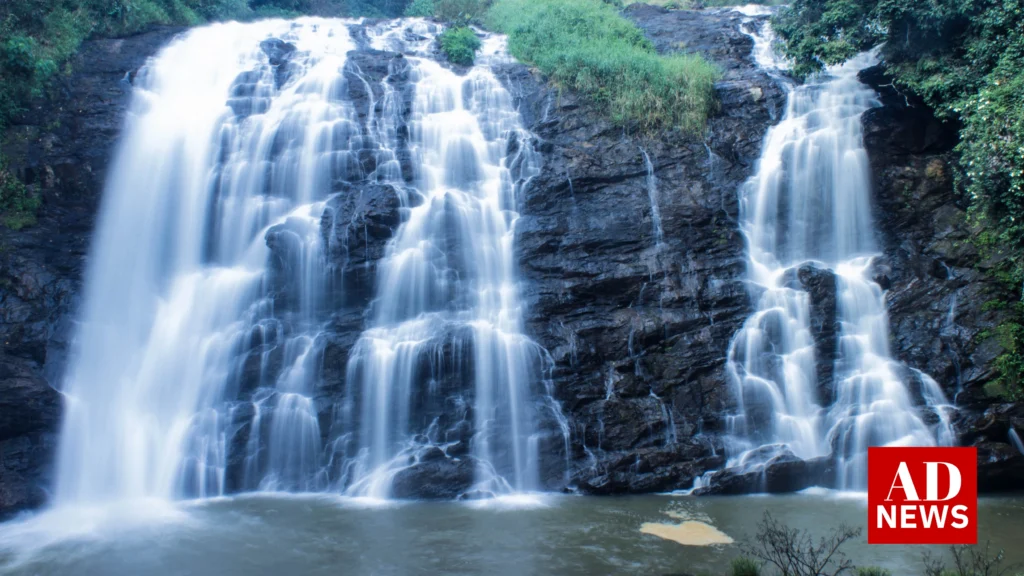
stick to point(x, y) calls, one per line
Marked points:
point(806, 216)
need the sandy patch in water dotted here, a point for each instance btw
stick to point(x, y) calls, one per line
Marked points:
point(689, 533)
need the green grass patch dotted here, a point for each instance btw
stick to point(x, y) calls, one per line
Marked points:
point(873, 571)
point(586, 46)
point(460, 45)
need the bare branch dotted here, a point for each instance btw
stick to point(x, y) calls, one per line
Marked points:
point(795, 553)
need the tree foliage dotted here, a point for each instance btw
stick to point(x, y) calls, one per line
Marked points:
point(460, 45)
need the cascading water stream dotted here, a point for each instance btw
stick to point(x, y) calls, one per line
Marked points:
point(448, 288)
point(807, 211)
point(1016, 441)
point(205, 317)
point(652, 194)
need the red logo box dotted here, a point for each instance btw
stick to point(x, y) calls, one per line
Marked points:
point(922, 495)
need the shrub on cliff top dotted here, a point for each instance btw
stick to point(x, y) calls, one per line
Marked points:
point(460, 45)
point(586, 46)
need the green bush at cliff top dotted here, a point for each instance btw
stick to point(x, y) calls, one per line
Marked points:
point(587, 46)
point(460, 45)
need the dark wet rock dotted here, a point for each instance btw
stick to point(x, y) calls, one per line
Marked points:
point(649, 470)
point(638, 331)
point(904, 124)
point(434, 479)
point(29, 416)
point(782, 473)
point(279, 55)
point(28, 404)
point(820, 285)
point(277, 50)
point(993, 432)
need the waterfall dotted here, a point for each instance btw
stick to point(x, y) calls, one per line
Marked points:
point(196, 366)
point(652, 195)
point(1016, 441)
point(468, 139)
point(806, 213)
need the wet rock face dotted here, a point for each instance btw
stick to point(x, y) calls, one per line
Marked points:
point(639, 330)
point(438, 478)
point(938, 282)
point(997, 433)
point(820, 285)
point(29, 415)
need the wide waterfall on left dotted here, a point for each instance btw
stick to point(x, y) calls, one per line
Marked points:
point(218, 266)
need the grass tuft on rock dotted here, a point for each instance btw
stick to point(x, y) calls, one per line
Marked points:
point(744, 566)
point(588, 47)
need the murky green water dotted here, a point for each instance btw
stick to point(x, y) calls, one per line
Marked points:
point(267, 535)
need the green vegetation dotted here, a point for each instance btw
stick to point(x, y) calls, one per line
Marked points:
point(586, 46)
point(460, 45)
point(744, 566)
point(420, 9)
point(582, 45)
point(873, 571)
point(458, 12)
point(965, 58)
point(1009, 366)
